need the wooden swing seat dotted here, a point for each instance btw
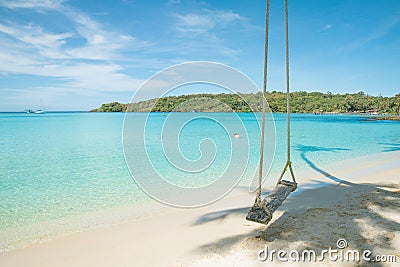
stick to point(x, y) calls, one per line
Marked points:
point(263, 213)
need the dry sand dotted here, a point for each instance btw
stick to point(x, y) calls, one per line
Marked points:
point(358, 200)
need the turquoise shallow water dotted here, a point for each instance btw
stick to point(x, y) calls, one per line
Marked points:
point(61, 164)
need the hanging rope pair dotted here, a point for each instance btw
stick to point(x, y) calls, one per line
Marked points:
point(262, 210)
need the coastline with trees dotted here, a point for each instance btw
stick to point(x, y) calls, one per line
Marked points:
point(301, 102)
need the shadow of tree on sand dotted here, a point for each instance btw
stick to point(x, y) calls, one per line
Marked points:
point(307, 149)
point(359, 213)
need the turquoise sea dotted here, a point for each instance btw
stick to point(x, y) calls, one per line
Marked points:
point(57, 165)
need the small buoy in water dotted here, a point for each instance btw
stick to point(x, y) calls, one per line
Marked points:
point(236, 135)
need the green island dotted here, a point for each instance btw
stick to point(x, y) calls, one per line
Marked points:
point(301, 102)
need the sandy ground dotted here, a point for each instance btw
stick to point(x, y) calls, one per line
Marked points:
point(356, 200)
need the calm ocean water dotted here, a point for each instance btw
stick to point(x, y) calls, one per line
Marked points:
point(61, 164)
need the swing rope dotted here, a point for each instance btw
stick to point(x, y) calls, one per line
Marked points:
point(260, 169)
point(287, 80)
point(288, 164)
point(262, 210)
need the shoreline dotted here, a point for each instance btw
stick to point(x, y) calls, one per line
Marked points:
point(213, 221)
point(21, 237)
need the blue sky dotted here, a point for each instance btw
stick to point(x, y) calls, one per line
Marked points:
point(75, 55)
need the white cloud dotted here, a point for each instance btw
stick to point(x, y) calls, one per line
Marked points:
point(30, 49)
point(194, 23)
point(101, 44)
point(209, 26)
point(173, 2)
point(381, 30)
point(205, 20)
point(47, 44)
point(72, 74)
point(45, 4)
point(327, 27)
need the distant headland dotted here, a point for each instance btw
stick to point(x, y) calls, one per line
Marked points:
point(301, 102)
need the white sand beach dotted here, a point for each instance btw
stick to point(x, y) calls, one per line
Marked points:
point(357, 200)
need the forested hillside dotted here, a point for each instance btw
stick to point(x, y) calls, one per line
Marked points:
point(301, 102)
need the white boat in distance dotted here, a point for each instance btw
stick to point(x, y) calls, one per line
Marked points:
point(38, 111)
